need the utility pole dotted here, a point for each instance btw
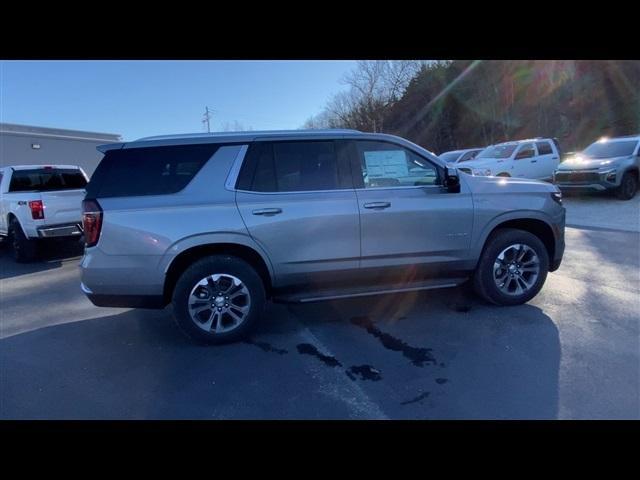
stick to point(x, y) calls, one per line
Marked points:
point(207, 116)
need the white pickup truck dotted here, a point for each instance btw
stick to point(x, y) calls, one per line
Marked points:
point(39, 202)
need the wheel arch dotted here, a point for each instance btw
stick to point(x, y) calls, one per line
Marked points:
point(533, 224)
point(190, 254)
point(11, 216)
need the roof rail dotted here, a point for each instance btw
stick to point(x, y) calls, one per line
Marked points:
point(248, 133)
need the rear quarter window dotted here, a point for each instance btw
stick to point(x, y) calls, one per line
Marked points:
point(544, 148)
point(148, 171)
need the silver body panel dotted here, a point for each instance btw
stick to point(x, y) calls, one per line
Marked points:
point(309, 233)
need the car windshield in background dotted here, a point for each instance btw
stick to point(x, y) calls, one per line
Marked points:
point(47, 180)
point(497, 151)
point(449, 157)
point(610, 149)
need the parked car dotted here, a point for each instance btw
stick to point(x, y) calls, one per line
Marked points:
point(39, 202)
point(535, 158)
point(608, 164)
point(459, 156)
point(217, 224)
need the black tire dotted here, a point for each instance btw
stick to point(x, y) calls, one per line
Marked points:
point(217, 264)
point(483, 280)
point(22, 248)
point(628, 186)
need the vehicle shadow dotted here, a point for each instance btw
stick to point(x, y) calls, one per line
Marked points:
point(496, 362)
point(138, 365)
point(491, 362)
point(51, 253)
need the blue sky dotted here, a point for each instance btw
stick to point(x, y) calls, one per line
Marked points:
point(142, 98)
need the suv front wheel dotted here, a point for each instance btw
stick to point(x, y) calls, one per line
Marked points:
point(512, 268)
point(218, 299)
point(628, 186)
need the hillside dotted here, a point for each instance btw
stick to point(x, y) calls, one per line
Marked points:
point(475, 103)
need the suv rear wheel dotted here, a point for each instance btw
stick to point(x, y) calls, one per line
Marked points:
point(512, 268)
point(23, 249)
point(628, 186)
point(218, 299)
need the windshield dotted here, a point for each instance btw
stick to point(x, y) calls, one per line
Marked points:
point(47, 180)
point(450, 157)
point(610, 149)
point(497, 151)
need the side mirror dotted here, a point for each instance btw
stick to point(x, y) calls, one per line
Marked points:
point(451, 179)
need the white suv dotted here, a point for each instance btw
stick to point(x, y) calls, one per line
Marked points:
point(536, 158)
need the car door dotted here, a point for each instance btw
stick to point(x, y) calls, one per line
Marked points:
point(298, 203)
point(409, 223)
point(524, 161)
point(547, 162)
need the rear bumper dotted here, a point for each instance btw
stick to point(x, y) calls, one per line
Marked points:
point(62, 230)
point(127, 301)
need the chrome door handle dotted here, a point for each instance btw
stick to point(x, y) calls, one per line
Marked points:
point(377, 205)
point(267, 211)
point(534, 161)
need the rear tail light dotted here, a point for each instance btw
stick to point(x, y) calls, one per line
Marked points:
point(37, 209)
point(91, 222)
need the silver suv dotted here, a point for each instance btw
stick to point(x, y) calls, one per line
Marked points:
point(609, 164)
point(217, 224)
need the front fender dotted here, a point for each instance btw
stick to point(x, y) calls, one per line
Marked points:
point(498, 220)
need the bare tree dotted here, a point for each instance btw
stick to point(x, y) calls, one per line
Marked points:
point(375, 85)
point(235, 126)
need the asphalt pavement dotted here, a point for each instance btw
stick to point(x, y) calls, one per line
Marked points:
point(573, 352)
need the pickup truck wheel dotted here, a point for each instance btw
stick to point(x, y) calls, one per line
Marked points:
point(23, 249)
point(628, 187)
point(512, 269)
point(218, 299)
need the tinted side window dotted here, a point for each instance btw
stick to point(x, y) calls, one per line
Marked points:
point(526, 151)
point(290, 167)
point(388, 165)
point(46, 180)
point(544, 148)
point(469, 156)
point(148, 171)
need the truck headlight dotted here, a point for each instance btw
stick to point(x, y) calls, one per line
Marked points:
point(481, 172)
point(610, 175)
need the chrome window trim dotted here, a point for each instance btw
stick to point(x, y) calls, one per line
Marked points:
point(402, 187)
point(297, 191)
point(232, 177)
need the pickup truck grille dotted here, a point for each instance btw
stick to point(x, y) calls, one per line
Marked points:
point(577, 177)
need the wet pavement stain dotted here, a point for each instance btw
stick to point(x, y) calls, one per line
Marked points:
point(266, 347)
point(419, 398)
point(308, 349)
point(418, 356)
point(366, 372)
point(440, 381)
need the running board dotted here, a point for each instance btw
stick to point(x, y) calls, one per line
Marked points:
point(321, 295)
